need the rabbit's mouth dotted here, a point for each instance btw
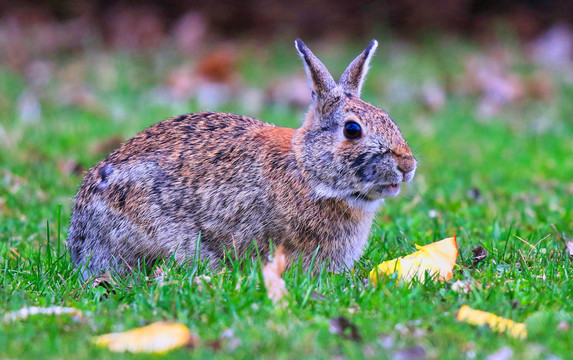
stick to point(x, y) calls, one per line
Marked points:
point(389, 190)
point(381, 191)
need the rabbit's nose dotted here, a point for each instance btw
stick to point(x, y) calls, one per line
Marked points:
point(407, 167)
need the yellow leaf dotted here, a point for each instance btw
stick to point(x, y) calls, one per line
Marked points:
point(25, 312)
point(496, 323)
point(158, 337)
point(438, 259)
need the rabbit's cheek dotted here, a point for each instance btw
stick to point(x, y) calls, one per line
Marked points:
point(367, 167)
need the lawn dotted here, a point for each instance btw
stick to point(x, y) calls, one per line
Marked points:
point(495, 169)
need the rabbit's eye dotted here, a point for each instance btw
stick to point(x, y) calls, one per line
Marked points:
point(352, 130)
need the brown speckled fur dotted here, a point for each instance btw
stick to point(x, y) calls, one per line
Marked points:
point(231, 180)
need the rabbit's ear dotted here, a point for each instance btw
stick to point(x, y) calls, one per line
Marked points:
point(320, 80)
point(353, 77)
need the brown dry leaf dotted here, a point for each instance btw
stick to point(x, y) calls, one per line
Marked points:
point(158, 337)
point(215, 345)
point(220, 65)
point(343, 327)
point(272, 276)
point(158, 276)
point(480, 253)
point(106, 281)
point(541, 86)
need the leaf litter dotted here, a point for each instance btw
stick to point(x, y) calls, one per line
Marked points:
point(437, 258)
point(345, 328)
point(479, 254)
point(496, 323)
point(158, 337)
point(25, 312)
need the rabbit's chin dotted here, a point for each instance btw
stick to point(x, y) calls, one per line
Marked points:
point(366, 201)
point(377, 193)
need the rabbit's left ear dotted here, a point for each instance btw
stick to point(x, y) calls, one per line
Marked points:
point(320, 81)
point(353, 77)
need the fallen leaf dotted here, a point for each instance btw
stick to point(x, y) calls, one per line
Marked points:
point(29, 107)
point(232, 342)
point(201, 280)
point(554, 47)
point(480, 253)
point(106, 281)
point(220, 65)
point(343, 327)
point(316, 296)
point(387, 341)
point(410, 329)
point(292, 91)
point(475, 194)
point(25, 312)
point(569, 245)
point(496, 323)
point(563, 326)
point(438, 258)
point(106, 146)
point(272, 276)
point(134, 27)
point(189, 31)
point(215, 345)
point(69, 167)
point(505, 353)
point(462, 286)
point(158, 337)
point(433, 96)
point(410, 353)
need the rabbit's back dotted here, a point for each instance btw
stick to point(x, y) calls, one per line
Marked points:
point(188, 176)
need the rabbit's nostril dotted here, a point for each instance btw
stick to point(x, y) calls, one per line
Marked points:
point(404, 169)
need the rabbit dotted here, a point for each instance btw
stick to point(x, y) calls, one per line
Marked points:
point(209, 184)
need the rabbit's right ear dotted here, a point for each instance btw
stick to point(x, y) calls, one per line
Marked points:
point(320, 81)
point(354, 75)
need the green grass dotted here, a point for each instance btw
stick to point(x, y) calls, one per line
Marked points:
point(524, 174)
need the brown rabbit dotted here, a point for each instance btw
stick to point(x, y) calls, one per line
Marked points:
point(227, 180)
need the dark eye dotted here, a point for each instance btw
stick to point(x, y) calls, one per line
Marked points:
point(352, 130)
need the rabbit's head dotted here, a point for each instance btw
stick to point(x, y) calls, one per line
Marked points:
point(348, 148)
